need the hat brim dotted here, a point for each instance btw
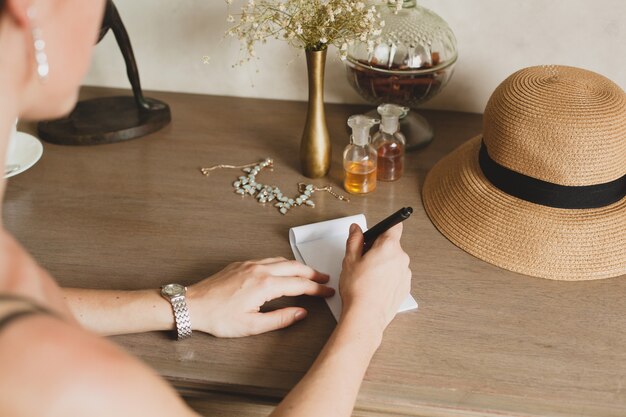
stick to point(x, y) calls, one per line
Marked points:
point(546, 242)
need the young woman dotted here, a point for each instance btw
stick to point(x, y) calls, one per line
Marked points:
point(53, 362)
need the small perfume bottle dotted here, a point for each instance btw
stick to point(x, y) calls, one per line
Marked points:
point(389, 142)
point(359, 157)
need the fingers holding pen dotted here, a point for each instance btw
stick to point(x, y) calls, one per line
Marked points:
point(391, 238)
point(395, 232)
point(354, 244)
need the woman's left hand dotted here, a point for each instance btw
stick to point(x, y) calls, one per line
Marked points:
point(228, 303)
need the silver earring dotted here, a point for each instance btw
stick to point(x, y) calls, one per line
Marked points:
point(40, 50)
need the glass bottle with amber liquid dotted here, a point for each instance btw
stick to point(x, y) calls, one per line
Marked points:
point(359, 157)
point(389, 142)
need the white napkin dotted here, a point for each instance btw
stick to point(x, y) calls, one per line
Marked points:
point(322, 246)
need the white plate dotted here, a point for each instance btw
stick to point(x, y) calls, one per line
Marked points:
point(26, 153)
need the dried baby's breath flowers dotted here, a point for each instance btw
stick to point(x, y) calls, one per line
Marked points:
point(308, 24)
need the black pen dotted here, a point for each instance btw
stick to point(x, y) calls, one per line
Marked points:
point(372, 234)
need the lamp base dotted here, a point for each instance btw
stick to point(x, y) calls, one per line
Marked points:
point(106, 120)
point(416, 129)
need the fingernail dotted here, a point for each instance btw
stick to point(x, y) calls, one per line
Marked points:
point(352, 228)
point(300, 314)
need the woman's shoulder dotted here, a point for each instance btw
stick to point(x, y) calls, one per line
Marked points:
point(19, 273)
point(56, 368)
point(21, 276)
point(48, 363)
point(52, 366)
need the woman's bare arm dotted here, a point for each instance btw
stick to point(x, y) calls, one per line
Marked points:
point(372, 288)
point(224, 305)
point(109, 312)
point(330, 387)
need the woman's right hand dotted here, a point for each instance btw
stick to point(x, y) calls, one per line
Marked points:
point(372, 286)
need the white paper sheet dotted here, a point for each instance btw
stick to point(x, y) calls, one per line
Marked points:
point(322, 246)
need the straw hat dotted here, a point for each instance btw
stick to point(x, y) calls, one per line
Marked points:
point(543, 190)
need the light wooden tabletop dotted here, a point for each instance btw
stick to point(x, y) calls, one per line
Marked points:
point(484, 342)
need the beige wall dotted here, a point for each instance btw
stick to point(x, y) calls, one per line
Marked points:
point(495, 37)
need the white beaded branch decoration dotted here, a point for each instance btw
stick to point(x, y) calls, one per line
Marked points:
point(248, 185)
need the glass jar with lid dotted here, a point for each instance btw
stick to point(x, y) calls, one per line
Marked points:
point(411, 63)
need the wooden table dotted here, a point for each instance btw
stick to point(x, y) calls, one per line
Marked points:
point(484, 342)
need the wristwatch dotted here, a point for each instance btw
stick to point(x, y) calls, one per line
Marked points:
point(175, 294)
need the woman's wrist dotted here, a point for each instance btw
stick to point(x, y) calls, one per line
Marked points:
point(161, 309)
point(365, 313)
point(368, 329)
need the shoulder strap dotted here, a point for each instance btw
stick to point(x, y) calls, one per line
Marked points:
point(14, 307)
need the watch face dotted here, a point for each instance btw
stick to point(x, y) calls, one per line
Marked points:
point(173, 290)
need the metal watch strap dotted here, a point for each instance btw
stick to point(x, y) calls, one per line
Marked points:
point(181, 314)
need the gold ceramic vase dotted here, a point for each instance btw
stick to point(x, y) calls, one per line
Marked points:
point(315, 145)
